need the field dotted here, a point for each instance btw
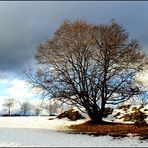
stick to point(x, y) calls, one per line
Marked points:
point(40, 132)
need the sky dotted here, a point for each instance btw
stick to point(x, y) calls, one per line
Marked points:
point(26, 24)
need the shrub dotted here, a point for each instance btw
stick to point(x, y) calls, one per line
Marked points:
point(71, 114)
point(141, 106)
point(108, 111)
point(137, 116)
point(124, 107)
point(117, 114)
point(5, 115)
point(126, 117)
point(62, 115)
point(145, 109)
point(134, 108)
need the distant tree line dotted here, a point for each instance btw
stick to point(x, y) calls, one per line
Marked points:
point(26, 108)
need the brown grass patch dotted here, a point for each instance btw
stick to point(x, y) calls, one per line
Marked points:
point(112, 129)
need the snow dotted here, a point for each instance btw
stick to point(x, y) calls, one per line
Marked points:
point(41, 132)
point(35, 122)
point(122, 112)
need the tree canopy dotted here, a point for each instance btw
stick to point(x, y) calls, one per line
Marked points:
point(90, 65)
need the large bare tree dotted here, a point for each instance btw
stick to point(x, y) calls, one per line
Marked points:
point(90, 65)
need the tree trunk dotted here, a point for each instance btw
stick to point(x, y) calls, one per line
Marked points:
point(95, 116)
point(24, 113)
point(103, 106)
point(9, 112)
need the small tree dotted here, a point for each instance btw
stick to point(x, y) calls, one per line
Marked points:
point(25, 107)
point(90, 65)
point(37, 110)
point(52, 106)
point(9, 103)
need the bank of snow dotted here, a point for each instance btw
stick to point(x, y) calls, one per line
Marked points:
point(122, 112)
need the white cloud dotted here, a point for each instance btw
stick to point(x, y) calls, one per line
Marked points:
point(19, 89)
point(2, 98)
point(3, 81)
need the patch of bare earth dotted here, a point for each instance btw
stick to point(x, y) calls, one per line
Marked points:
point(112, 129)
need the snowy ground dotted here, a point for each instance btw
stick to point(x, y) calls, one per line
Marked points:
point(41, 132)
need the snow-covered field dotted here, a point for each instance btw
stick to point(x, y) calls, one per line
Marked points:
point(41, 132)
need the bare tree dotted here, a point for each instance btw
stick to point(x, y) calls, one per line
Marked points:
point(25, 107)
point(52, 106)
point(37, 110)
point(90, 65)
point(9, 103)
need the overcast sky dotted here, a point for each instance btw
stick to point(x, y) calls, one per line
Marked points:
point(23, 25)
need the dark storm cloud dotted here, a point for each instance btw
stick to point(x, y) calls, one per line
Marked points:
point(23, 25)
